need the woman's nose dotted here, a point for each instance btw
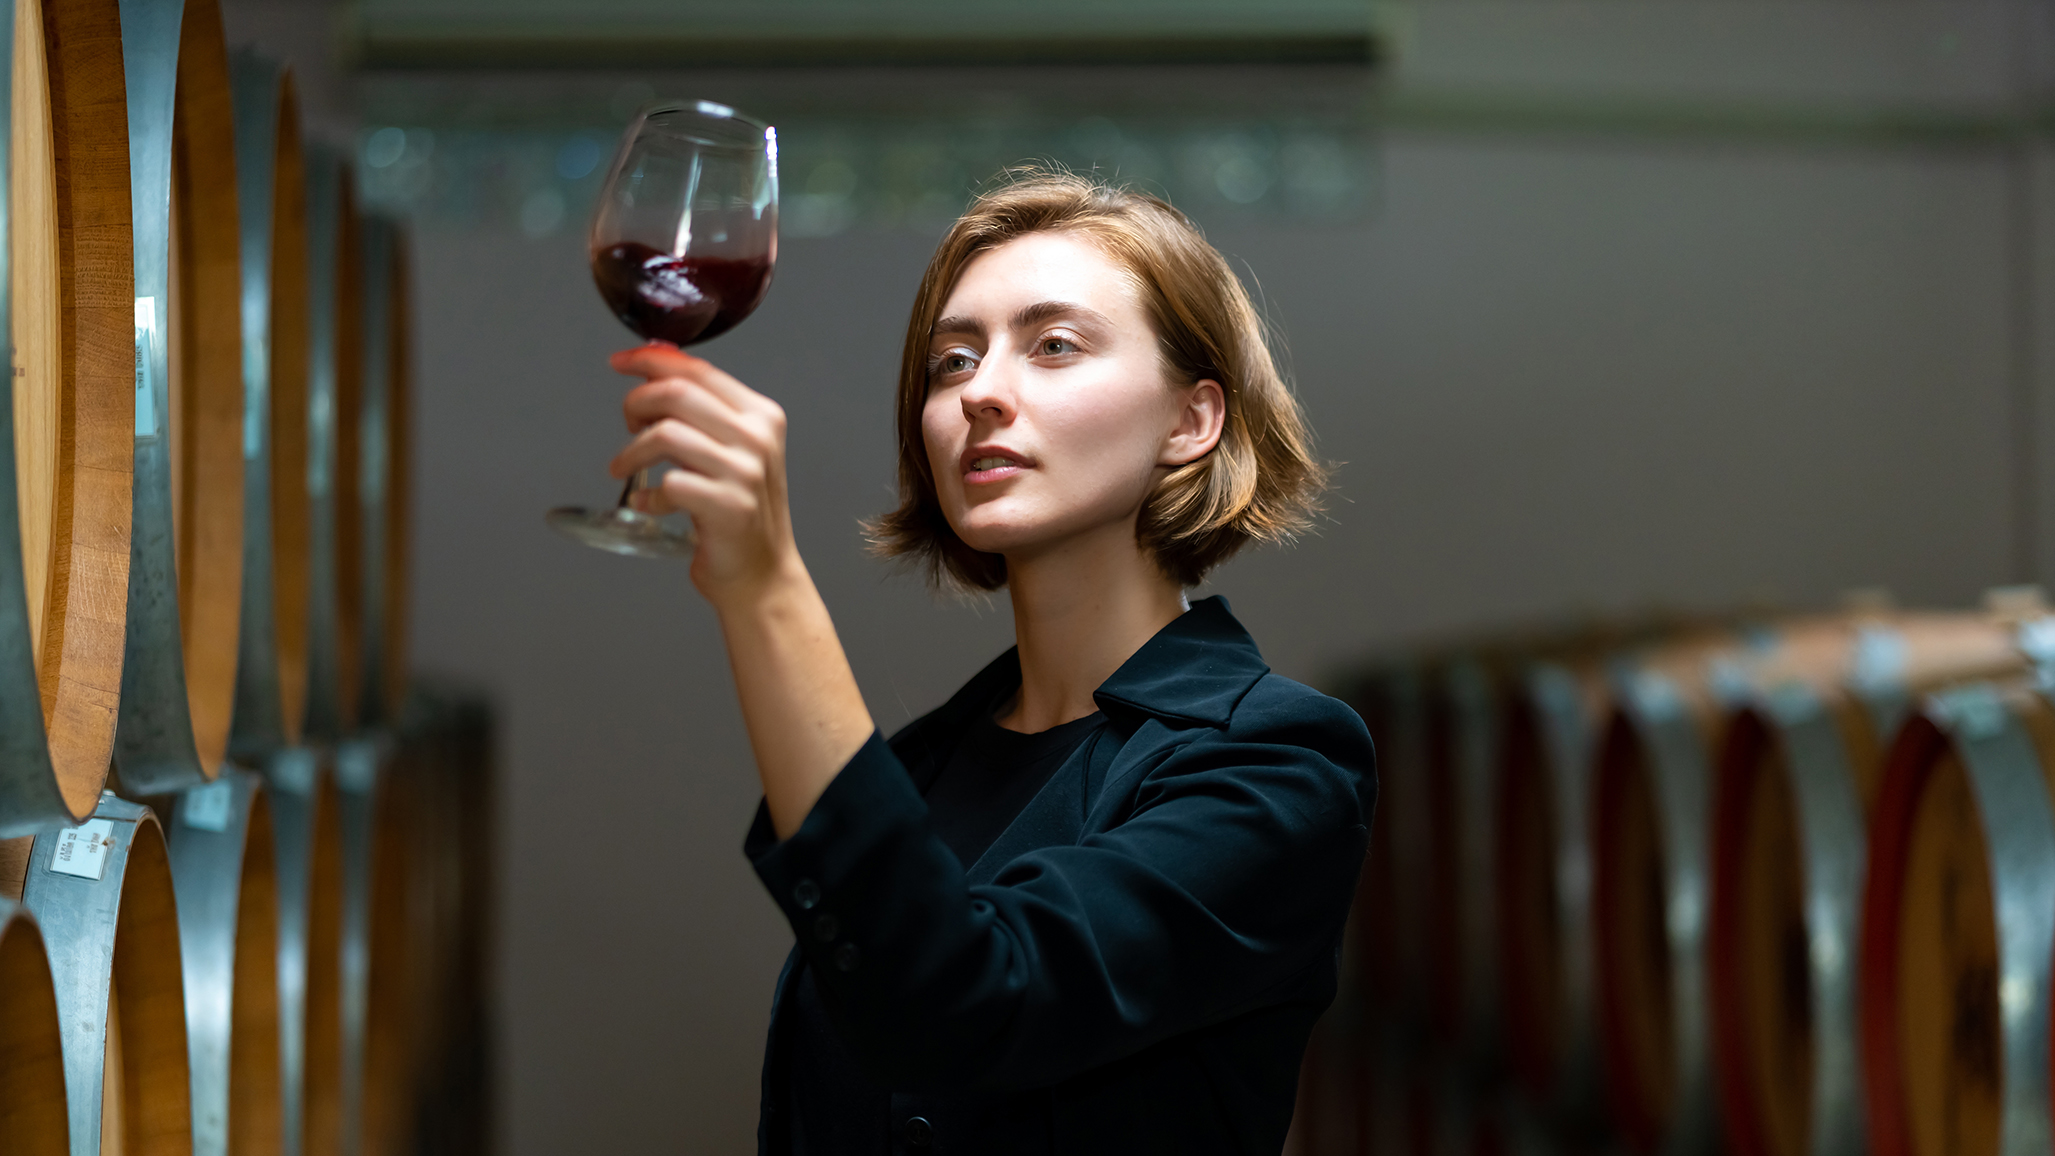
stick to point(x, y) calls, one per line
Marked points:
point(990, 392)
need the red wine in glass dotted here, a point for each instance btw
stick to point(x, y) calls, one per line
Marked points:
point(683, 242)
point(681, 300)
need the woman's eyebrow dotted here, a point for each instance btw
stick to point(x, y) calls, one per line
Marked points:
point(1042, 311)
point(969, 326)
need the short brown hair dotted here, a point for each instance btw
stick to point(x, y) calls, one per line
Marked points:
point(1260, 483)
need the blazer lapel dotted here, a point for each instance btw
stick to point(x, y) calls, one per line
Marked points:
point(1192, 673)
point(1055, 817)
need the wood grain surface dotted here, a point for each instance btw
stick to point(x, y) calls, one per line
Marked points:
point(347, 481)
point(73, 285)
point(399, 489)
point(291, 504)
point(254, 1123)
point(32, 1115)
point(33, 302)
point(148, 1077)
point(205, 330)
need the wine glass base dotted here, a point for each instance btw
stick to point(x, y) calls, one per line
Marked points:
point(621, 531)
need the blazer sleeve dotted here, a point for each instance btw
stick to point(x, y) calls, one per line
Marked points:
point(1227, 880)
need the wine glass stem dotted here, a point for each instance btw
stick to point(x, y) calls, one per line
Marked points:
point(639, 480)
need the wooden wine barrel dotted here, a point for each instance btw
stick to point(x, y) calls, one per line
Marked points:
point(102, 893)
point(64, 531)
point(1487, 1120)
point(358, 770)
point(1401, 1108)
point(445, 770)
point(32, 1104)
point(1958, 927)
point(1798, 776)
point(1465, 716)
point(271, 199)
point(1333, 1092)
point(383, 890)
point(1652, 808)
point(414, 870)
point(306, 817)
point(384, 488)
point(185, 552)
point(1388, 925)
point(1554, 712)
point(334, 389)
point(224, 868)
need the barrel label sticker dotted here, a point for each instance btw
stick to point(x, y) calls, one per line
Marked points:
point(207, 808)
point(83, 851)
point(146, 342)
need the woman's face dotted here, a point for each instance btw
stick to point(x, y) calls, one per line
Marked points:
point(1048, 413)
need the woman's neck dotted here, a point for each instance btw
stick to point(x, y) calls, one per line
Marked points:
point(1079, 612)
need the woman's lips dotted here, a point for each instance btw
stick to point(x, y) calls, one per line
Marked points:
point(991, 469)
point(983, 464)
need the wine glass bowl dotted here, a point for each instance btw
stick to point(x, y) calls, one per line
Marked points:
point(683, 243)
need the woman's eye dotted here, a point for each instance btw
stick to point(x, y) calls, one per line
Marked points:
point(951, 363)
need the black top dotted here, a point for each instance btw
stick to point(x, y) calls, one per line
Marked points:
point(1133, 966)
point(833, 1105)
point(992, 775)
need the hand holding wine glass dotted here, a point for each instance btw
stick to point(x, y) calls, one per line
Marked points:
point(729, 441)
point(683, 243)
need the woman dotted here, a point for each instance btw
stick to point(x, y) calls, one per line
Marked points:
point(1094, 902)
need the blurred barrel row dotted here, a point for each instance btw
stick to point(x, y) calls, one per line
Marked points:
point(243, 860)
point(1771, 886)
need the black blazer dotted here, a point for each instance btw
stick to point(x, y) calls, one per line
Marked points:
point(1136, 963)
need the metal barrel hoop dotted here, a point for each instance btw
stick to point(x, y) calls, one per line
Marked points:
point(1546, 783)
point(2012, 800)
point(1963, 836)
point(375, 938)
point(102, 893)
point(1832, 838)
point(334, 391)
point(375, 456)
point(271, 662)
point(184, 570)
point(1654, 717)
point(307, 843)
point(224, 869)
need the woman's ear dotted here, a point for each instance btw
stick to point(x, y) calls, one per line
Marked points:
point(1200, 419)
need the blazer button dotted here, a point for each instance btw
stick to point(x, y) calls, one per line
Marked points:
point(806, 893)
point(847, 957)
point(919, 1133)
point(824, 927)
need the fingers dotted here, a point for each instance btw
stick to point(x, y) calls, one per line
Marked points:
point(690, 448)
point(695, 494)
point(657, 360)
point(691, 389)
point(674, 398)
point(727, 498)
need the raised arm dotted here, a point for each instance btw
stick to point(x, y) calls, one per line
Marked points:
point(805, 716)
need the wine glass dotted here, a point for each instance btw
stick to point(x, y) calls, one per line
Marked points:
point(682, 242)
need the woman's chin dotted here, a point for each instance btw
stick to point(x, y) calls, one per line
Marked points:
point(999, 535)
